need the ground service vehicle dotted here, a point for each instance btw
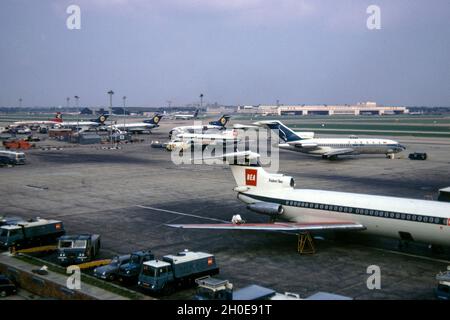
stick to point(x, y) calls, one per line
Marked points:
point(30, 233)
point(109, 272)
point(217, 289)
point(442, 291)
point(417, 156)
point(78, 248)
point(176, 270)
point(129, 272)
point(7, 287)
point(11, 157)
point(444, 194)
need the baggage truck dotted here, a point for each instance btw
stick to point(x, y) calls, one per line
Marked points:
point(11, 157)
point(30, 233)
point(176, 270)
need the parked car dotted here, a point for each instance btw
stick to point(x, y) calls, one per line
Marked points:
point(129, 272)
point(7, 287)
point(109, 271)
point(418, 156)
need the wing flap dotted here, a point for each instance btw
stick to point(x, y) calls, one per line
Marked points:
point(276, 226)
point(337, 152)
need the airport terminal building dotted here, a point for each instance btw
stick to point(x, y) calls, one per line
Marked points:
point(365, 108)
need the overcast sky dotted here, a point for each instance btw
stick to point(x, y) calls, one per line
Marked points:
point(232, 51)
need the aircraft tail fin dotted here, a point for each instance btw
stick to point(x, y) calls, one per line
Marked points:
point(58, 117)
point(286, 134)
point(101, 119)
point(196, 113)
point(249, 175)
point(155, 119)
point(223, 120)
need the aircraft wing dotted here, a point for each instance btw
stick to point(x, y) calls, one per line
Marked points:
point(276, 226)
point(338, 152)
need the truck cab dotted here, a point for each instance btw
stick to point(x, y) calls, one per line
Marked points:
point(155, 275)
point(130, 271)
point(78, 248)
point(9, 235)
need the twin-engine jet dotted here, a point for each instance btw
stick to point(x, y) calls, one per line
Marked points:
point(331, 148)
point(304, 210)
point(186, 116)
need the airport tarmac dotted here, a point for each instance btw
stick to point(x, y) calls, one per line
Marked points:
point(128, 195)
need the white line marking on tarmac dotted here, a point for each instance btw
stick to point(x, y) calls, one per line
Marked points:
point(413, 255)
point(181, 214)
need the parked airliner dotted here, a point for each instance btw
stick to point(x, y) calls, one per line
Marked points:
point(83, 123)
point(35, 123)
point(139, 127)
point(331, 148)
point(184, 141)
point(186, 116)
point(213, 125)
point(301, 210)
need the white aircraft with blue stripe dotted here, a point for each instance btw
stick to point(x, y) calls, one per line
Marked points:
point(306, 210)
point(331, 148)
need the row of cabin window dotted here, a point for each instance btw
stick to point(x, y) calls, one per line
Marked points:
point(345, 145)
point(376, 213)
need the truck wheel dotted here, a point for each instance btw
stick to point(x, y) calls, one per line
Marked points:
point(2, 294)
point(167, 289)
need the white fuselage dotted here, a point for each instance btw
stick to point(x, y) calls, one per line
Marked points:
point(225, 135)
point(184, 116)
point(34, 123)
point(76, 124)
point(194, 129)
point(409, 219)
point(359, 146)
point(424, 220)
point(135, 127)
